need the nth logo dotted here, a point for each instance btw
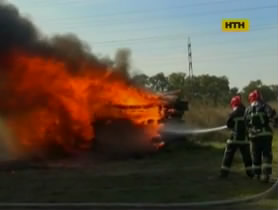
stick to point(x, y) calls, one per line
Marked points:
point(235, 25)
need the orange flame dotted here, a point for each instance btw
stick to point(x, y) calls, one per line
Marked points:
point(45, 103)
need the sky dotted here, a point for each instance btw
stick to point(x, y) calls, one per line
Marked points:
point(157, 31)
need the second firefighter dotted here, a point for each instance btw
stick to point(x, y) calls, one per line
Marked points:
point(258, 117)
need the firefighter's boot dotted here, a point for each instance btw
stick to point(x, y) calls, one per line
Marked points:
point(265, 178)
point(250, 174)
point(223, 174)
point(258, 177)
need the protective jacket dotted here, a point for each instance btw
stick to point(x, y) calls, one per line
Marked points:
point(236, 123)
point(258, 117)
point(237, 141)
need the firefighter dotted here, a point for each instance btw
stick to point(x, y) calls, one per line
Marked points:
point(237, 140)
point(258, 117)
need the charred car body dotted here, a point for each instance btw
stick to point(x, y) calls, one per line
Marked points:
point(121, 137)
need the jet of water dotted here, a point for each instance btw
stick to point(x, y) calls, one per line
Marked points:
point(186, 131)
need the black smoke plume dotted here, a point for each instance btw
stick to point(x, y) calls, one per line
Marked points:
point(18, 32)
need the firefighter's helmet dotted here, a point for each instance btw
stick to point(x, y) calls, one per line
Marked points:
point(254, 96)
point(235, 101)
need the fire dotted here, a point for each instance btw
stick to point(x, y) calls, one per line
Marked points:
point(45, 103)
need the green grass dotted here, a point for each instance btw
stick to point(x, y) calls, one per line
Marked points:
point(180, 173)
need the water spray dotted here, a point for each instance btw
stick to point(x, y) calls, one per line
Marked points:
point(172, 129)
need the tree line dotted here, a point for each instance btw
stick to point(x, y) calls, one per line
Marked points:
point(207, 89)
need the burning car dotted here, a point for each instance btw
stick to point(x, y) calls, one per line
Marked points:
point(132, 137)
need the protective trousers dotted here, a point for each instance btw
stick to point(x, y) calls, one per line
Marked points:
point(229, 153)
point(262, 153)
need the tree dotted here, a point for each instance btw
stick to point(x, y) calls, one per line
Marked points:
point(176, 81)
point(268, 93)
point(192, 88)
point(233, 92)
point(215, 89)
point(159, 82)
point(274, 89)
point(253, 85)
point(141, 80)
point(208, 89)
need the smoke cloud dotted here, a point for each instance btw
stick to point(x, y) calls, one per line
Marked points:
point(19, 33)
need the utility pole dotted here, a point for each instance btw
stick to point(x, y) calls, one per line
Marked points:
point(190, 68)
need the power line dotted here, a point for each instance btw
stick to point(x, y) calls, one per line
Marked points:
point(257, 28)
point(132, 12)
point(241, 57)
point(44, 3)
point(217, 57)
point(180, 36)
point(152, 27)
point(128, 21)
point(172, 37)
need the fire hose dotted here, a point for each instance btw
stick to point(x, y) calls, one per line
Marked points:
point(215, 203)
